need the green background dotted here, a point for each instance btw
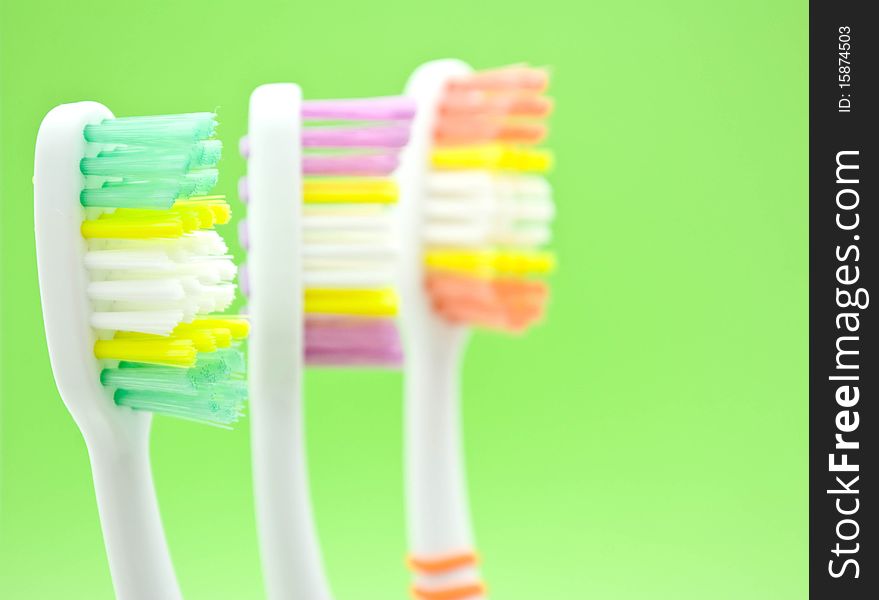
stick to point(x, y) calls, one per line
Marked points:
point(648, 442)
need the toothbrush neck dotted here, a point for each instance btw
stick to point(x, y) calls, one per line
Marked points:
point(140, 563)
point(436, 492)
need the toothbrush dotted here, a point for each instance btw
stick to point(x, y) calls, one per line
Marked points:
point(319, 280)
point(475, 213)
point(129, 268)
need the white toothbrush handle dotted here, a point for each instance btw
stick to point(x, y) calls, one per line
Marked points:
point(437, 503)
point(438, 516)
point(291, 558)
point(289, 549)
point(136, 549)
point(117, 438)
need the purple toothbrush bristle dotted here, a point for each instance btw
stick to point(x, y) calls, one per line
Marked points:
point(352, 165)
point(352, 341)
point(244, 280)
point(243, 190)
point(243, 234)
point(394, 108)
point(341, 332)
point(388, 358)
point(244, 147)
point(394, 136)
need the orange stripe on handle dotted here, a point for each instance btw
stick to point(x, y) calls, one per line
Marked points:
point(435, 566)
point(450, 593)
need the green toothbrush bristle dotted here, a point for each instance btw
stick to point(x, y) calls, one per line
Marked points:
point(207, 153)
point(219, 365)
point(157, 130)
point(173, 162)
point(220, 406)
point(149, 162)
point(155, 194)
point(135, 161)
point(198, 182)
point(213, 391)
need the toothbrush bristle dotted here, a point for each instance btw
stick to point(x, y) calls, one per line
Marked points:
point(505, 80)
point(343, 165)
point(489, 208)
point(392, 108)
point(158, 269)
point(350, 149)
point(351, 341)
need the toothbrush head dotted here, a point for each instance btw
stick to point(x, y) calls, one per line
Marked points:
point(348, 150)
point(145, 267)
point(486, 207)
point(489, 208)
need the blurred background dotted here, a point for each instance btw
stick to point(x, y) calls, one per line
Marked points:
point(649, 441)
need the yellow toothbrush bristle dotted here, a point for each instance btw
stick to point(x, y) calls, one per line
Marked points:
point(210, 210)
point(358, 302)
point(133, 228)
point(222, 336)
point(487, 263)
point(185, 216)
point(238, 328)
point(222, 212)
point(202, 214)
point(202, 339)
point(206, 334)
point(497, 157)
point(220, 209)
point(353, 191)
point(202, 334)
point(160, 351)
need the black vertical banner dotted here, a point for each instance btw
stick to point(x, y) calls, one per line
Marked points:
point(843, 366)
